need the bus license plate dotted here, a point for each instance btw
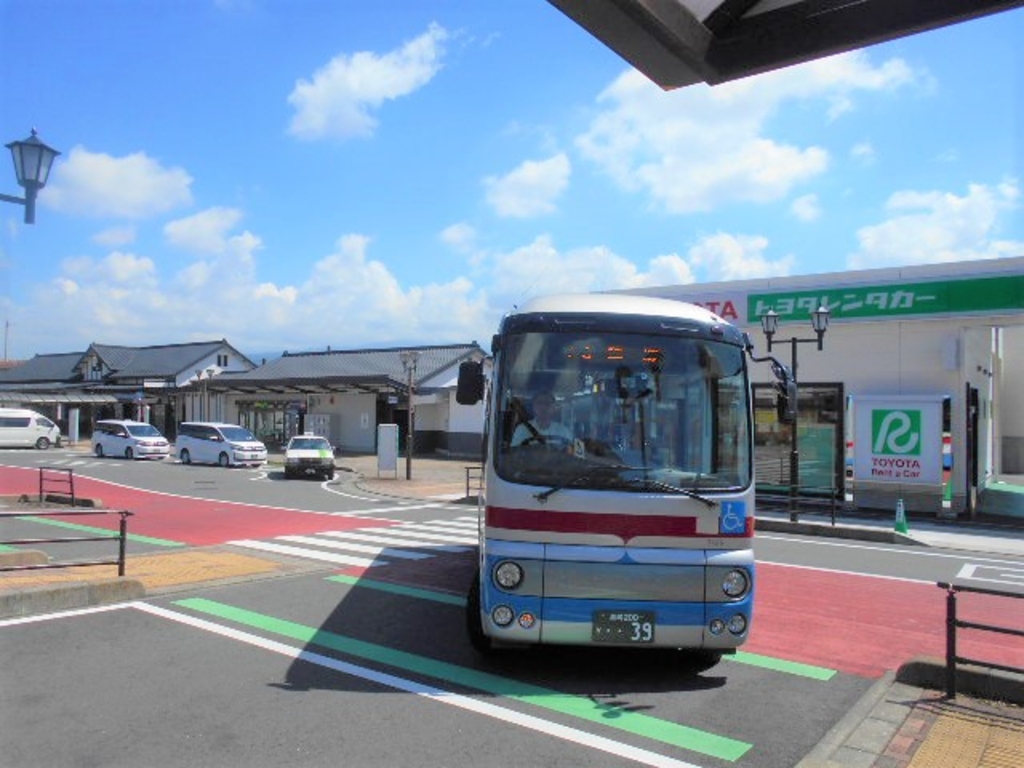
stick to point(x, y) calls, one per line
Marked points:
point(623, 627)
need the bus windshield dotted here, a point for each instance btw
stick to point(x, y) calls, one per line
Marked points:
point(623, 411)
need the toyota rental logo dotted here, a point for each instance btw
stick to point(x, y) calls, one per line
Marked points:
point(896, 443)
point(898, 439)
point(896, 433)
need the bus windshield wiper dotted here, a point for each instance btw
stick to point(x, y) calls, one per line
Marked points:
point(584, 476)
point(648, 483)
point(617, 480)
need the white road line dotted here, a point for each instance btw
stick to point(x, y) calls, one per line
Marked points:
point(992, 574)
point(438, 695)
point(38, 618)
point(930, 582)
point(438, 527)
point(402, 508)
point(396, 530)
point(309, 554)
point(349, 546)
point(903, 550)
point(392, 540)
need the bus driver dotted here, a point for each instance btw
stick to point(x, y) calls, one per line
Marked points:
point(543, 427)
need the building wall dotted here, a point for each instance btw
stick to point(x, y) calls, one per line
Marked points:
point(888, 353)
point(1010, 415)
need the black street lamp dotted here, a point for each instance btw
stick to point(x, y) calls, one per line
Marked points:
point(32, 163)
point(770, 326)
point(409, 359)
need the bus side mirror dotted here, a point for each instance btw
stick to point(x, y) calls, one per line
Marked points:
point(470, 388)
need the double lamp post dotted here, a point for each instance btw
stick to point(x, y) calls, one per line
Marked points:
point(32, 163)
point(770, 326)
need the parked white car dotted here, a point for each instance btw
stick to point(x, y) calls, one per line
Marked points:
point(129, 439)
point(228, 445)
point(22, 428)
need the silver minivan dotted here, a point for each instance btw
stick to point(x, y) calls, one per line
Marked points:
point(229, 445)
point(22, 428)
point(130, 439)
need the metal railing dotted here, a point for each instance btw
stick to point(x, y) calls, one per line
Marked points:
point(953, 623)
point(474, 474)
point(56, 480)
point(121, 538)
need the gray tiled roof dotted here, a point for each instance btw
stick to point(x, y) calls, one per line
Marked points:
point(377, 365)
point(42, 368)
point(159, 361)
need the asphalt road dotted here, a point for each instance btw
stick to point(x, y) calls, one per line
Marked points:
point(366, 663)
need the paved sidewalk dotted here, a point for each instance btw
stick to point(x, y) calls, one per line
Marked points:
point(903, 721)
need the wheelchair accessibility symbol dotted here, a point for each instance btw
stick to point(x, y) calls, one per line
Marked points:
point(733, 520)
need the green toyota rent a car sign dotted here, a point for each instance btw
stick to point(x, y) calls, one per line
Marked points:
point(898, 439)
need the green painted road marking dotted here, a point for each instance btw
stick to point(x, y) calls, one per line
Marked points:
point(101, 531)
point(398, 589)
point(584, 708)
point(823, 674)
point(781, 665)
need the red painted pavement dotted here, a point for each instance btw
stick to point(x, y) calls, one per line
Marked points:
point(197, 522)
point(866, 625)
point(862, 625)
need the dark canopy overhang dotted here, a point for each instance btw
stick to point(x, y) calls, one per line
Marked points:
point(249, 385)
point(681, 42)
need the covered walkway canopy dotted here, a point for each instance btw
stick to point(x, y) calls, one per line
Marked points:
point(682, 42)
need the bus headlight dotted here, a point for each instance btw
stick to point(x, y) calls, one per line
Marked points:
point(738, 624)
point(735, 583)
point(502, 615)
point(508, 575)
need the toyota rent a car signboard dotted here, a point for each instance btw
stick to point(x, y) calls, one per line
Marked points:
point(898, 439)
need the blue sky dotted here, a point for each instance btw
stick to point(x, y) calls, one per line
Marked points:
point(298, 174)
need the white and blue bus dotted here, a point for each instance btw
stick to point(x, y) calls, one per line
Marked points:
point(619, 483)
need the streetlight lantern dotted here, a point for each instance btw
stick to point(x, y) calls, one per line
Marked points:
point(819, 321)
point(770, 325)
point(32, 162)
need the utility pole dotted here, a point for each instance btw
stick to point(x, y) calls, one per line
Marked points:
point(409, 359)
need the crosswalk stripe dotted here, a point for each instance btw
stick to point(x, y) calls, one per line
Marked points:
point(436, 536)
point(393, 540)
point(311, 554)
point(461, 522)
point(434, 527)
point(405, 554)
point(400, 542)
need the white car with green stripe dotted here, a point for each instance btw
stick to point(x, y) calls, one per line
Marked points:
point(309, 455)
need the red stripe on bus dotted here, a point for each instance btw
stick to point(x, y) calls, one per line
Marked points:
point(626, 527)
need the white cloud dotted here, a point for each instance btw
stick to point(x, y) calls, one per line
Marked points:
point(699, 148)
point(204, 232)
point(935, 227)
point(806, 208)
point(339, 100)
point(132, 187)
point(725, 256)
point(529, 190)
point(460, 236)
point(115, 236)
point(539, 268)
point(115, 268)
point(863, 152)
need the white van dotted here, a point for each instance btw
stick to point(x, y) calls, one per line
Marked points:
point(229, 445)
point(21, 428)
point(130, 439)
